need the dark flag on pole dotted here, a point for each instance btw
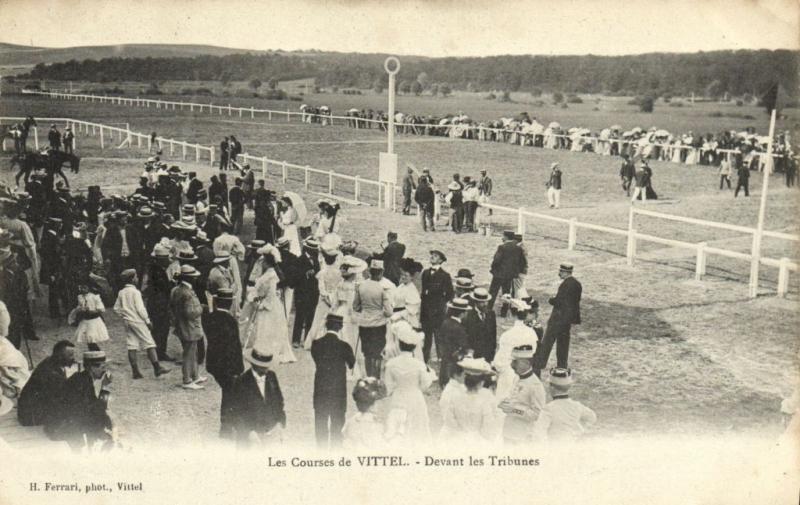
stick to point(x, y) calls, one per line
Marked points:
point(774, 98)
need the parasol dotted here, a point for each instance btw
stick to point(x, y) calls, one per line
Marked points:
point(298, 204)
point(662, 133)
point(636, 130)
point(616, 128)
point(354, 265)
point(554, 125)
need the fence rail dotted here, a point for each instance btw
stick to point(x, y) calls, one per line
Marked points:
point(692, 154)
point(702, 249)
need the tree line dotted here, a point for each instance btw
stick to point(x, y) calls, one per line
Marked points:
point(713, 74)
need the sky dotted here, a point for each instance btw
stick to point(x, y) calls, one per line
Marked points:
point(427, 28)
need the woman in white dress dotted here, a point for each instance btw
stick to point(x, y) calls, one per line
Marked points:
point(328, 220)
point(406, 303)
point(519, 334)
point(271, 330)
point(231, 245)
point(288, 223)
point(407, 378)
point(471, 416)
point(91, 328)
point(328, 279)
point(350, 270)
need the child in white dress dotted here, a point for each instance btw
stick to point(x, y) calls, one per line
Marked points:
point(89, 312)
point(364, 430)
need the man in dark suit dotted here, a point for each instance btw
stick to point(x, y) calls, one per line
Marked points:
point(156, 291)
point(391, 256)
point(83, 410)
point(224, 353)
point(743, 179)
point(566, 312)
point(437, 290)
point(480, 324)
point(332, 357)
point(425, 201)
point(194, 187)
point(236, 197)
point(306, 292)
point(257, 401)
point(509, 261)
point(39, 399)
point(265, 221)
point(451, 337)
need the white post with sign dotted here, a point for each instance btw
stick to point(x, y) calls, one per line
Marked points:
point(387, 168)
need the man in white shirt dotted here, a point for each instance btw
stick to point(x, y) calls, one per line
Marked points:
point(526, 401)
point(373, 303)
point(130, 307)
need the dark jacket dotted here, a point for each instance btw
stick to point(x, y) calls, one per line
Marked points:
point(307, 287)
point(191, 192)
point(249, 411)
point(391, 256)
point(509, 261)
point(224, 351)
point(743, 173)
point(567, 302)
point(81, 411)
point(424, 195)
point(627, 170)
point(453, 337)
point(156, 295)
point(481, 334)
point(237, 198)
point(291, 271)
point(437, 290)
point(555, 180)
point(39, 400)
point(333, 357)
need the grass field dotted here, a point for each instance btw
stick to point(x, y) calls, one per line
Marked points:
point(657, 350)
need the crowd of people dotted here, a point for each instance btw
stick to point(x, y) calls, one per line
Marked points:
point(169, 261)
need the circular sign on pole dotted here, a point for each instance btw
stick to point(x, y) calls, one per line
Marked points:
point(391, 65)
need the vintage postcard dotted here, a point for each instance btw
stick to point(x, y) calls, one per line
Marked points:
point(363, 252)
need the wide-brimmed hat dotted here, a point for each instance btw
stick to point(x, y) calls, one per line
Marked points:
point(519, 305)
point(201, 237)
point(159, 206)
point(439, 253)
point(90, 357)
point(186, 255)
point(354, 265)
point(475, 366)
point(406, 334)
point(145, 211)
point(188, 209)
point(160, 251)
point(283, 242)
point(561, 377)
point(480, 295)
point(330, 244)
point(311, 243)
point(256, 244)
point(259, 358)
point(376, 265)
point(458, 304)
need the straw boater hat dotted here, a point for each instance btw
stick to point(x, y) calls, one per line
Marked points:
point(202, 237)
point(256, 244)
point(259, 357)
point(145, 211)
point(224, 294)
point(480, 295)
point(522, 352)
point(93, 357)
point(311, 243)
point(188, 271)
point(186, 255)
point(464, 283)
point(561, 377)
point(475, 366)
point(458, 304)
point(160, 251)
point(283, 242)
point(406, 334)
point(222, 258)
point(376, 265)
point(188, 209)
point(566, 268)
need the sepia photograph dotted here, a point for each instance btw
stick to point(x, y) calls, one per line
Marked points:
point(354, 251)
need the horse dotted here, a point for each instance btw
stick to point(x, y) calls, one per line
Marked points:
point(52, 163)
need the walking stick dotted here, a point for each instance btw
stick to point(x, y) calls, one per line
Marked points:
point(28, 347)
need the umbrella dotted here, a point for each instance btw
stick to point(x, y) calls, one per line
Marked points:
point(572, 130)
point(616, 128)
point(605, 133)
point(636, 130)
point(353, 110)
point(627, 134)
point(324, 107)
point(303, 107)
point(298, 204)
point(554, 125)
point(662, 133)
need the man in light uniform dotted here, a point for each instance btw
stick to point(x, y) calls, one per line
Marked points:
point(526, 401)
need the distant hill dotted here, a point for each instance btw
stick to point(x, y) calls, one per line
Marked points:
point(710, 74)
point(20, 56)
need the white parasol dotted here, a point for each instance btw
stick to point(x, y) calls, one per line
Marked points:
point(298, 204)
point(554, 125)
point(616, 128)
point(662, 133)
point(637, 130)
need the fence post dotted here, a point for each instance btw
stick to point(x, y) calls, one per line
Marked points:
point(191, 107)
point(149, 144)
point(283, 172)
point(171, 146)
point(357, 188)
point(631, 248)
point(573, 233)
point(183, 150)
point(305, 180)
point(197, 153)
point(330, 182)
point(139, 142)
point(252, 112)
point(230, 111)
point(240, 112)
point(36, 137)
point(269, 115)
point(521, 221)
point(212, 154)
point(288, 115)
point(102, 140)
point(700, 264)
point(264, 167)
point(783, 277)
point(380, 186)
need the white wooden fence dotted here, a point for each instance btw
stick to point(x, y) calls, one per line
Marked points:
point(111, 134)
point(692, 155)
point(702, 249)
